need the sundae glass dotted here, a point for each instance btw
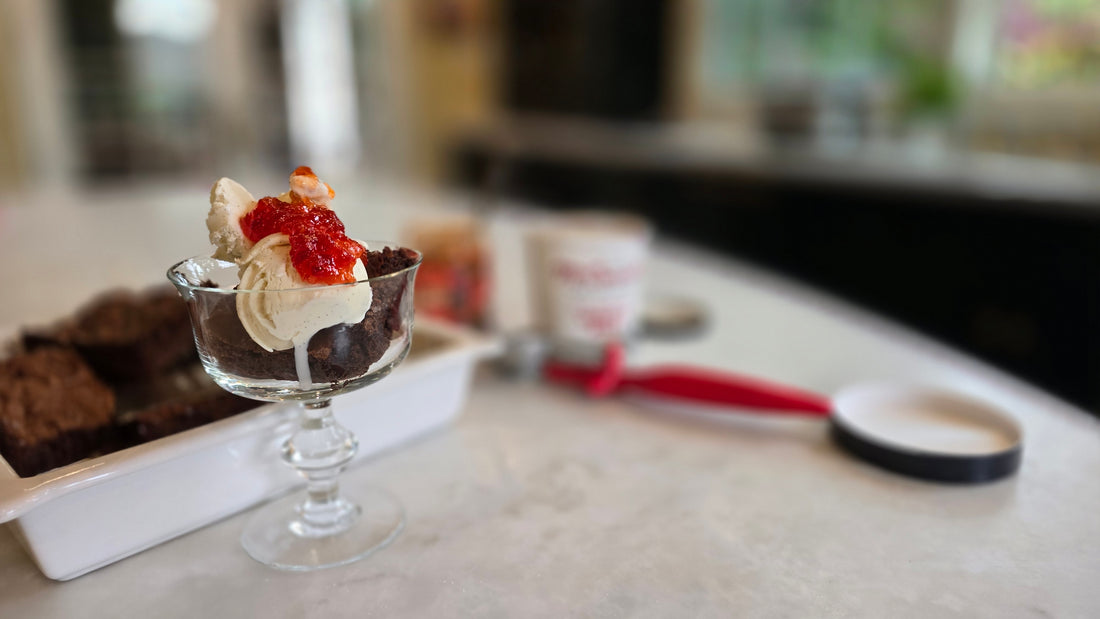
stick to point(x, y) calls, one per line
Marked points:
point(265, 333)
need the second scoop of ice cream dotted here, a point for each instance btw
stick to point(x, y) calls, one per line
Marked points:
point(282, 320)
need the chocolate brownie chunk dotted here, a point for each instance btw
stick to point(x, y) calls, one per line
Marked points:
point(126, 336)
point(169, 417)
point(172, 402)
point(387, 260)
point(338, 353)
point(53, 410)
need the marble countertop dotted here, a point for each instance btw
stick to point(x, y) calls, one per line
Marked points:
point(541, 503)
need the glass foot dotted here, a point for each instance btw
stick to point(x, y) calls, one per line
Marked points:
point(278, 536)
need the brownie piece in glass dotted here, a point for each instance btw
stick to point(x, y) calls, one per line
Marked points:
point(338, 353)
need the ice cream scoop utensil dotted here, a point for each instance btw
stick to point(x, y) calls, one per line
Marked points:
point(692, 384)
point(916, 431)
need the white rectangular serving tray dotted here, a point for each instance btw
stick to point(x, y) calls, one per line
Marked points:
point(91, 513)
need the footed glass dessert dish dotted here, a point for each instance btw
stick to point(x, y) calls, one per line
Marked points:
point(298, 345)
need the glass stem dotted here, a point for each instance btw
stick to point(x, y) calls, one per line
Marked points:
point(320, 449)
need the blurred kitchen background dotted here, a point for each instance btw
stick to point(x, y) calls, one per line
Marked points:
point(937, 161)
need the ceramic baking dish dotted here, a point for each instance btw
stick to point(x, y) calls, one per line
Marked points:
point(91, 513)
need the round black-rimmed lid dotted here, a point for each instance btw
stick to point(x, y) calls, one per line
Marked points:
point(926, 433)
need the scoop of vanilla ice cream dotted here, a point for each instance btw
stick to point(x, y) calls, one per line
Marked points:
point(282, 320)
point(229, 201)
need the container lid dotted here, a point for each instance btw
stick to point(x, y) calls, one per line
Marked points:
point(926, 433)
point(669, 317)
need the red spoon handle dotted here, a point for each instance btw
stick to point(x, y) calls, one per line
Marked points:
point(725, 388)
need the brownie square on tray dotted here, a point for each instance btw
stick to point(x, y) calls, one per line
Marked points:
point(173, 416)
point(125, 335)
point(53, 410)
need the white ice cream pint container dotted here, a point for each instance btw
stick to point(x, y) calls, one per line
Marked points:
point(587, 280)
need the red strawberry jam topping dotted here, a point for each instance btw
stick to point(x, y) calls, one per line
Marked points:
point(319, 249)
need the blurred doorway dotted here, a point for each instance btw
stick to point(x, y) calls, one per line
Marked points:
point(161, 88)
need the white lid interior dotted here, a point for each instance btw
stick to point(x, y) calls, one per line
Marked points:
point(917, 419)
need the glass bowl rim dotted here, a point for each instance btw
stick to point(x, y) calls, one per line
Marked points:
point(178, 280)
